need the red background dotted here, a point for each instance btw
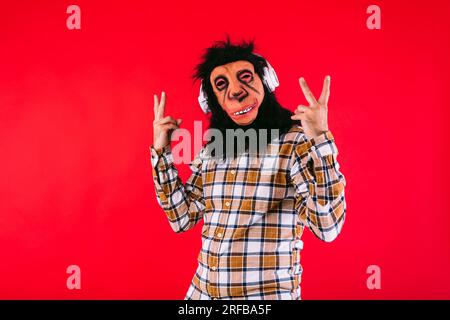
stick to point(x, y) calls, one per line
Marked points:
point(76, 112)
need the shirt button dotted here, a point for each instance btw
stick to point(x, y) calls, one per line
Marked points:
point(219, 235)
point(213, 268)
point(233, 171)
point(227, 203)
point(313, 148)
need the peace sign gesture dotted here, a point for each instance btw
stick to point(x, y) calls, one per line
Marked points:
point(314, 117)
point(162, 126)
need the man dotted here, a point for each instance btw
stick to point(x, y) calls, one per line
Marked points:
point(253, 219)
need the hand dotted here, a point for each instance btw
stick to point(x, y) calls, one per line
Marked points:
point(314, 117)
point(162, 126)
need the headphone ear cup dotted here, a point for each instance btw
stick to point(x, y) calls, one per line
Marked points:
point(203, 100)
point(270, 77)
point(268, 80)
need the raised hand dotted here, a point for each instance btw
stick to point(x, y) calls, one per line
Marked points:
point(314, 117)
point(162, 126)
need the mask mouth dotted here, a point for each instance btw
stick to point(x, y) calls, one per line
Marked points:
point(245, 110)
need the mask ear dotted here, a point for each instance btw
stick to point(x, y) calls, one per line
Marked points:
point(203, 100)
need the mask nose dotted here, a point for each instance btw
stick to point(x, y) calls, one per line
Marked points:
point(236, 91)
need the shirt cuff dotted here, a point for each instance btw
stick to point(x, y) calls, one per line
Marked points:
point(323, 145)
point(161, 159)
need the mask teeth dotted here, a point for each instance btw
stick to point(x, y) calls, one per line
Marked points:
point(243, 111)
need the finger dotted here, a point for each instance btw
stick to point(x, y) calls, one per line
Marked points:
point(169, 126)
point(179, 121)
point(155, 106)
point(162, 105)
point(298, 116)
point(307, 92)
point(301, 109)
point(167, 119)
point(323, 100)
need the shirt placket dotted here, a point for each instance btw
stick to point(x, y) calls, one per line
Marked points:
point(216, 265)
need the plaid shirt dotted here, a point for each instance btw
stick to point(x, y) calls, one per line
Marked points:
point(254, 213)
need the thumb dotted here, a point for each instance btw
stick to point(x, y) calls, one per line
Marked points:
point(179, 121)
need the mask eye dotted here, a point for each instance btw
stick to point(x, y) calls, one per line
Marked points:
point(246, 76)
point(221, 83)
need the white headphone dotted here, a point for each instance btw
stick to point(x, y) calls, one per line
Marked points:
point(270, 79)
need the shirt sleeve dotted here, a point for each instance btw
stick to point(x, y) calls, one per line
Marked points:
point(319, 185)
point(183, 204)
